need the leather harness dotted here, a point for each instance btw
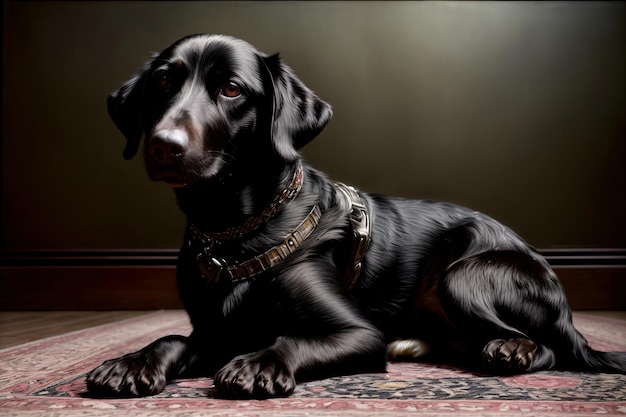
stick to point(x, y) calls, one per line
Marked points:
point(361, 231)
point(213, 267)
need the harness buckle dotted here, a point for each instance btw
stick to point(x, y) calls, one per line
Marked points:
point(211, 267)
point(361, 231)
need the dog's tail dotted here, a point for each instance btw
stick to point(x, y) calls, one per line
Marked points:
point(590, 360)
point(583, 358)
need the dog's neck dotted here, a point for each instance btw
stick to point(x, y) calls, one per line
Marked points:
point(239, 201)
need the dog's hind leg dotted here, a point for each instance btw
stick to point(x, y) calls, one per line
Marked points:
point(505, 306)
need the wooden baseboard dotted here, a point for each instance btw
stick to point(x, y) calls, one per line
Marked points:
point(145, 279)
point(89, 280)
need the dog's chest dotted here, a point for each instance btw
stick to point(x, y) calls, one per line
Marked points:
point(233, 307)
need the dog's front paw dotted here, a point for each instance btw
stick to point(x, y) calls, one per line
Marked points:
point(258, 375)
point(135, 374)
point(510, 355)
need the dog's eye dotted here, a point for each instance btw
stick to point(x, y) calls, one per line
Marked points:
point(164, 82)
point(231, 90)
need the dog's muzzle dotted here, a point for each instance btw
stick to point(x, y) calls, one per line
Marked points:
point(168, 146)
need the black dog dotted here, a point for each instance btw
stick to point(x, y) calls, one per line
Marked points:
point(288, 276)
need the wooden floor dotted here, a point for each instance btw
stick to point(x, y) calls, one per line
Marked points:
point(17, 327)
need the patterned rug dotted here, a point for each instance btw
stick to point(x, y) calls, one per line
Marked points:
point(46, 378)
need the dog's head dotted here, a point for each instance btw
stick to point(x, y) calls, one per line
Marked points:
point(208, 100)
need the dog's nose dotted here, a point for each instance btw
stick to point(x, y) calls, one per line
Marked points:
point(168, 146)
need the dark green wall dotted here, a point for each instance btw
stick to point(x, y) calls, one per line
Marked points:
point(514, 109)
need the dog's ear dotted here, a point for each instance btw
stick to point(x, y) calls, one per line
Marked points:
point(298, 114)
point(125, 108)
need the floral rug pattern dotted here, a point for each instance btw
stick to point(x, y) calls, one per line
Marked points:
point(46, 378)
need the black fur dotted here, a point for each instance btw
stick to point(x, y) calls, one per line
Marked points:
point(455, 278)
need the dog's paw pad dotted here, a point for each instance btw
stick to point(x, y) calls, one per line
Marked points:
point(510, 355)
point(129, 376)
point(254, 376)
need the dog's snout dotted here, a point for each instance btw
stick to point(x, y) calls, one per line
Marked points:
point(168, 146)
